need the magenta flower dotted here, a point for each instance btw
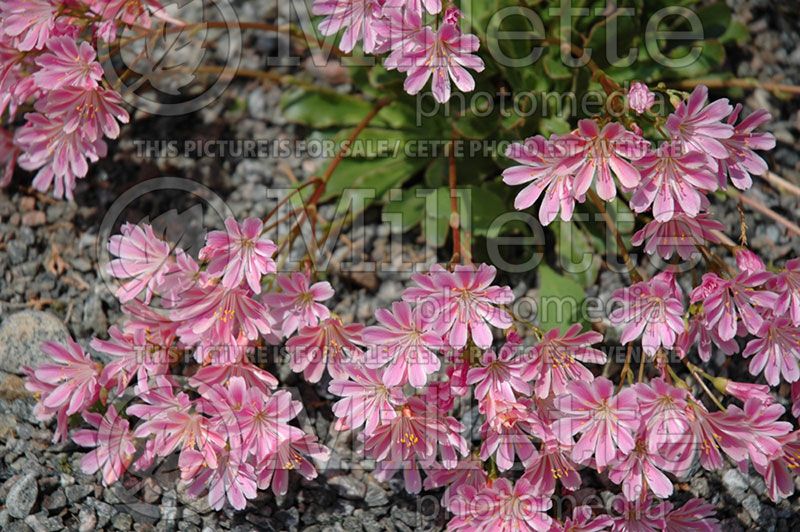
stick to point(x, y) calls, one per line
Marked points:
point(233, 479)
point(787, 285)
point(68, 65)
point(607, 422)
point(41, 390)
point(239, 253)
point(606, 153)
point(705, 337)
point(640, 97)
point(583, 520)
point(649, 309)
point(694, 515)
point(299, 303)
point(641, 470)
point(29, 22)
point(366, 400)
point(673, 181)
point(133, 355)
point(291, 455)
point(552, 464)
point(74, 375)
point(745, 391)
point(91, 112)
point(699, 126)
point(682, 234)
point(639, 515)
point(710, 434)
point(743, 161)
point(358, 18)
point(330, 344)
point(760, 429)
point(462, 304)
point(445, 55)
point(663, 409)
point(142, 258)
point(502, 507)
point(499, 377)
point(468, 472)
point(727, 300)
point(507, 434)
point(779, 475)
point(404, 345)
point(415, 6)
point(556, 361)
point(776, 351)
point(113, 443)
point(549, 169)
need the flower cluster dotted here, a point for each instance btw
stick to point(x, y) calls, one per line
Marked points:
point(439, 53)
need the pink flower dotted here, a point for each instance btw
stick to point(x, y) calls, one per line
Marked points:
point(468, 472)
point(726, 300)
point(583, 520)
point(663, 412)
point(556, 360)
point(142, 258)
point(416, 6)
point(366, 400)
point(552, 464)
point(603, 152)
point(695, 514)
point(776, 351)
point(230, 361)
point(41, 390)
point(29, 22)
point(331, 343)
point(91, 112)
point(507, 433)
point(113, 442)
point(743, 160)
point(710, 433)
point(133, 355)
point(607, 422)
point(299, 302)
point(760, 429)
point(641, 470)
point(404, 344)
point(745, 391)
point(499, 377)
point(291, 455)
point(502, 507)
point(239, 253)
point(787, 285)
point(682, 234)
point(705, 338)
point(639, 515)
point(640, 97)
point(68, 65)
point(462, 303)
point(779, 475)
point(445, 54)
point(74, 374)
point(359, 18)
point(233, 479)
point(548, 168)
point(673, 181)
point(131, 12)
point(649, 309)
point(699, 126)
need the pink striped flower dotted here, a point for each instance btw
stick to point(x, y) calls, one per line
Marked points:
point(682, 234)
point(462, 304)
point(556, 360)
point(41, 390)
point(605, 154)
point(74, 375)
point(776, 351)
point(546, 165)
point(468, 472)
point(507, 434)
point(292, 454)
point(705, 337)
point(663, 409)
point(404, 345)
point(583, 520)
point(141, 257)
point(649, 309)
point(606, 422)
point(239, 253)
point(500, 376)
point(725, 301)
point(502, 507)
point(30, 23)
point(330, 344)
point(694, 515)
point(640, 97)
point(673, 181)
point(787, 285)
point(779, 475)
point(641, 470)
point(742, 161)
point(760, 429)
point(700, 127)
point(366, 400)
point(133, 355)
point(113, 443)
point(358, 18)
point(91, 112)
point(445, 55)
point(417, 7)
point(299, 303)
point(232, 480)
point(639, 515)
point(68, 64)
point(550, 465)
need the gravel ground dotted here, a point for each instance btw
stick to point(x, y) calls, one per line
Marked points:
point(50, 288)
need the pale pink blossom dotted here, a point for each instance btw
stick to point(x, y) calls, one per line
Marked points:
point(133, 355)
point(330, 344)
point(499, 376)
point(228, 361)
point(468, 472)
point(552, 464)
point(113, 443)
point(640, 98)
point(142, 259)
point(694, 515)
point(42, 389)
point(776, 351)
point(780, 473)
point(698, 332)
point(641, 470)
point(299, 303)
point(91, 112)
point(745, 391)
point(366, 400)
point(583, 520)
point(649, 309)
point(29, 22)
point(418, 7)
point(681, 233)
point(74, 374)
point(556, 360)
point(742, 161)
point(239, 253)
point(292, 454)
point(760, 429)
point(787, 285)
point(699, 126)
point(403, 344)
point(68, 64)
point(500, 507)
point(507, 434)
point(232, 480)
point(639, 515)
point(462, 303)
point(663, 412)
point(360, 19)
point(673, 181)
point(606, 421)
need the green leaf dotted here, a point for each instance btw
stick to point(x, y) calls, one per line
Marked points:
point(576, 254)
point(560, 300)
point(323, 109)
point(409, 208)
point(372, 176)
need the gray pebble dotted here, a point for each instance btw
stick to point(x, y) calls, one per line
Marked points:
point(21, 336)
point(22, 497)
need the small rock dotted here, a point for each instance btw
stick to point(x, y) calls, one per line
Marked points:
point(348, 487)
point(753, 507)
point(122, 522)
point(41, 523)
point(21, 336)
point(735, 483)
point(376, 496)
point(34, 218)
point(102, 510)
point(77, 493)
point(8, 426)
point(22, 497)
point(17, 252)
point(87, 521)
point(55, 501)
